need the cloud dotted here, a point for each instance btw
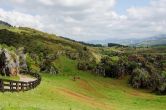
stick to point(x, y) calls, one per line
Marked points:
point(76, 3)
point(18, 1)
point(87, 19)
point(151, 18)
point(21, 19)
point(68, 3)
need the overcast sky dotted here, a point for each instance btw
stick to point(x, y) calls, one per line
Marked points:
point(88, 19)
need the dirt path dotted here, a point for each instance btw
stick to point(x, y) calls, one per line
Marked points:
point(26, 78)
point(96, 104)
point(86, 86)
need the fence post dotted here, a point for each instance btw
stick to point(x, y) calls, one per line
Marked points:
point(22, 86)
point(17, 86)
point(11, 86)
point(1, 86)
point(27, 84)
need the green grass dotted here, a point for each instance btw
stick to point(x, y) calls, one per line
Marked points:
point(16, 78)
point(60, 92)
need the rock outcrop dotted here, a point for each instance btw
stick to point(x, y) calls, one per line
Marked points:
point(22, 59)
point(12, 63)
point(9, 63)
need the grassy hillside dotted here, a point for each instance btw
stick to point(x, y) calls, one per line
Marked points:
point(43, 48)
point(35, 41)
point(87, 93)
point(64, 87)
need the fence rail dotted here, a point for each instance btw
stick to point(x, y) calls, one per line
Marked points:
point(17, 86)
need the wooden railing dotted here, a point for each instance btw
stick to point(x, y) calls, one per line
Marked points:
point(17, 86)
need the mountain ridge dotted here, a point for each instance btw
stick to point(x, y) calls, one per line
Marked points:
point(134, 41)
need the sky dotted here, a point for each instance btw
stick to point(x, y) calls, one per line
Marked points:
point(86, 20)
point(122, 5)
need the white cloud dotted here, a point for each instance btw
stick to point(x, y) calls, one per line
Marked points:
point(76, 30)
point(18, 1)
point(87, 19)
point(151, 18)
point(68, 3)
point(47, 2)
point(21, 19)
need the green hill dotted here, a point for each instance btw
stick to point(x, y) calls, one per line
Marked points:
point(36, 41)
point(43, 48)
point(72, 74)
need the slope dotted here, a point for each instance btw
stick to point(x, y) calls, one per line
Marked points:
point(89, 92)
point(43, 48)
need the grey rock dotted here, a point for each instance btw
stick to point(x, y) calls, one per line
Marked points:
point(9, 63)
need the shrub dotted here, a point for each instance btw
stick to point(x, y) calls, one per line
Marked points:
point(114, 66)
point(163, 65)
point(131, 66)
point(32, 66)
point(162, 83)
point(140, 78)
point(72, 55)
point(48, 66)
point(83, 65)
point(158, 82)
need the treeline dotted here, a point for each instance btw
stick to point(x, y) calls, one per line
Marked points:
point(114, 44)
point(92, 45)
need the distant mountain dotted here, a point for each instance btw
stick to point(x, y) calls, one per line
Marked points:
point(153, 41)
point(5, 23)
point(149, 41)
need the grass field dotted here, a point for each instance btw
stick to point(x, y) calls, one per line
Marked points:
point(90, 92)
point(15, 78)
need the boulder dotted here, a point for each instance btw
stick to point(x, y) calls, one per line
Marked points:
point(22, 59)
point(9, 63)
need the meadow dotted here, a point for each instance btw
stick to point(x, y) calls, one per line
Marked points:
point(64, 87)
point(88, 92)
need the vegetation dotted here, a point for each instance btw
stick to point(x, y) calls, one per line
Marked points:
point(92, 45)
point(89, 92)
point(42, 48)
point(145, 66)
point(72, 71)
point(113, 44)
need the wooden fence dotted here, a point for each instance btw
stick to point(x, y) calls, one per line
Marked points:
point(17, 86)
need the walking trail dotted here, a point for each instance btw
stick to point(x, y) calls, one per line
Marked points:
point(26, 78)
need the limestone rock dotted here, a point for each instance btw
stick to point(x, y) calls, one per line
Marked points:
point(22, 59)
point(9, 63)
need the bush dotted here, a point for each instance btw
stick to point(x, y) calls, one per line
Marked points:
point(72, 55)
point(83, 65)
point(161, 88)
point(140, 78)
point(48, 66)
point(156, 82)
point(163, 65)
point(31, 64)
point(114, 67)
point(131, 66)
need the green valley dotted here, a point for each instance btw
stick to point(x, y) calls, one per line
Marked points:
point(87, 93)
point(80, 76)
